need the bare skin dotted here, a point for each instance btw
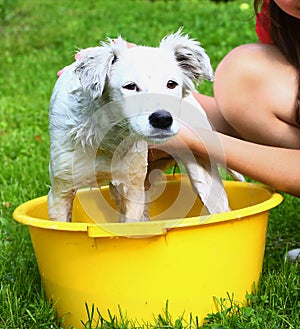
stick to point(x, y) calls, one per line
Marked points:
point(256, 93)
point(291, 7)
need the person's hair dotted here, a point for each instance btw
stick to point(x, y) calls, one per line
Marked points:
point(285, 33)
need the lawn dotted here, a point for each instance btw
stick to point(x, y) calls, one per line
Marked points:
point(40, 37)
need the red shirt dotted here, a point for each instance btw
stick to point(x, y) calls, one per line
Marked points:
point(263, 24)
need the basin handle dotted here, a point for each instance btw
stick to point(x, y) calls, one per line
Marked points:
point(139, 229)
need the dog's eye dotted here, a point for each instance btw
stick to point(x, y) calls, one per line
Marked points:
point(171, 84)
point(131, 86)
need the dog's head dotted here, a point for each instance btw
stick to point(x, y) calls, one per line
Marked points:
point(172, 70)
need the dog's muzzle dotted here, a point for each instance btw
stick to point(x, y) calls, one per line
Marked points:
point(161, 126)
point(161, 119)
point(155, 127)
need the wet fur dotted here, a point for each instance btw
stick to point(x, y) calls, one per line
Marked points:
point(86, 140)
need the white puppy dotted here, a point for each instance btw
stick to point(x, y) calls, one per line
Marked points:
point(98, 133)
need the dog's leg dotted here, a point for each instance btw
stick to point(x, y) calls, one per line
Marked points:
point(60, 202)
point(67, 173)
point(129, 169)
point(207, 183)
point(130, 202)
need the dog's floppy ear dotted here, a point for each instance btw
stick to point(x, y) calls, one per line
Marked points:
point(94, 64)
point(190, 56)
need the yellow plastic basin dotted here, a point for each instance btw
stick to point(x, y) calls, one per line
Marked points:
point(139, 267)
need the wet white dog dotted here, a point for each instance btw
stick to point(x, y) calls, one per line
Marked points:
point(98, 132)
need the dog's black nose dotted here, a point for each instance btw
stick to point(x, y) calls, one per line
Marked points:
point(161, 119)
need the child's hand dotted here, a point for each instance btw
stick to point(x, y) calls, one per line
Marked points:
point(131, 45)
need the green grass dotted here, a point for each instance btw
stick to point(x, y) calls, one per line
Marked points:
point(40, 37)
